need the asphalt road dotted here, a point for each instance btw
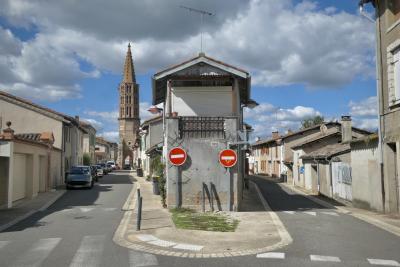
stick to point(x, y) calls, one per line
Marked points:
point(77, 230)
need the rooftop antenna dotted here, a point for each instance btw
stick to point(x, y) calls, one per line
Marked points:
point(202, 13)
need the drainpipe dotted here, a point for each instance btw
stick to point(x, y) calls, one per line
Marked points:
point(169, 99)
point(330, 175)
point(318, 181)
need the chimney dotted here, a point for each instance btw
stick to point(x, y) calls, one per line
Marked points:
point(346, 129)
point(77, 118)
point(258, 138)
point(275, 135)
point(8, 133)
point(289, 131)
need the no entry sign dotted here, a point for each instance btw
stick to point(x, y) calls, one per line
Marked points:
point(177, 156)
point(227, 158)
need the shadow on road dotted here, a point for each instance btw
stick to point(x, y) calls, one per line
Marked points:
point(283, 199)
point(74, 198)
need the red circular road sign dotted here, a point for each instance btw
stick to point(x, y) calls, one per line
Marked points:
point(177, 156)
point(228, 158)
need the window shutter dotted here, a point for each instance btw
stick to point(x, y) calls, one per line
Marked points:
point(396, 69)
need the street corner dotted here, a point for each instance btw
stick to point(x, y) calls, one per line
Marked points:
point(171, 241)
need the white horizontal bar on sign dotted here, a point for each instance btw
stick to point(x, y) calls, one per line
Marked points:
point(177, 156)
point(227, 157)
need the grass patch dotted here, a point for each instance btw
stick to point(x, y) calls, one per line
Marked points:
point(192, 220)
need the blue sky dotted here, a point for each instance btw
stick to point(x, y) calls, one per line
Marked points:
point(306, 58)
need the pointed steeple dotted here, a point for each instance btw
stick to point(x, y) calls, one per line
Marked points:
point(129, 71)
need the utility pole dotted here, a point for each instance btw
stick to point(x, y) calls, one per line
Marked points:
point(202, 13)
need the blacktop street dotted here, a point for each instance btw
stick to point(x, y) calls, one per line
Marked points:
point(79, 228)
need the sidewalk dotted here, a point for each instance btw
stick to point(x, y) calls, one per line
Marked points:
point(388, 222)
point(26, 207)
point(258, 231)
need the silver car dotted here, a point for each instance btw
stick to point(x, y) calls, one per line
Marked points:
point(79, 176)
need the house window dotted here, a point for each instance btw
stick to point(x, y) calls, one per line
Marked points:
point(393, 55)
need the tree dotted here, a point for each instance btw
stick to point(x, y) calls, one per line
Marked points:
point(86, 159)
point(309, 122)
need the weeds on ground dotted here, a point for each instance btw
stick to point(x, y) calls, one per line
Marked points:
point(192, 220)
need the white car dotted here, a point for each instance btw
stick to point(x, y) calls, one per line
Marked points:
point(112, 164)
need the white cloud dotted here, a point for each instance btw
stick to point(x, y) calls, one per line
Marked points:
point(111, 136)
point(107, 116)
point(279, 42)
point(365, 113)
point(364, 108)
point(267, 118)
point(95, 123)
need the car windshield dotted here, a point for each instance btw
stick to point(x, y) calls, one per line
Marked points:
point(79, 170)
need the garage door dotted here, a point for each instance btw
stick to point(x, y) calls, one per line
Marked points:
point(19, 181)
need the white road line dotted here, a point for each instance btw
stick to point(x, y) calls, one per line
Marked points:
point(146, 238)
point(39, 251)
point(383, 262)
point(330, 213)
point(109, 209)
point(162, 243)
point(324, 258)
point(3, 244)
point(272, 255)
point(86, 209)
point(89, 252)
point(289, 211)
point(189, 247)
point(313, 213)
point(137, 259)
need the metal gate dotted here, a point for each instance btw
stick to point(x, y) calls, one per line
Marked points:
point(341, 180)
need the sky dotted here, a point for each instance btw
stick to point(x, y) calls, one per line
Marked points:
point(306, 58)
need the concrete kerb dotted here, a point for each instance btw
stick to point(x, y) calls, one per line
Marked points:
point(119, 236)
point(33, 211)
point(366, 218)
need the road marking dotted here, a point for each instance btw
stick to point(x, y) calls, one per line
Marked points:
point(272, 255)
point(330, 213)
point(86, 209)
point(162, 243)
point(38, 253)
point(89, 252)
point(189, 247)
point(324, 258)
point(313, 213)
point(3, 244)
point(146, 238)
point(383, 262)
point(109, 209)
point(289, 211)
point(137, 259)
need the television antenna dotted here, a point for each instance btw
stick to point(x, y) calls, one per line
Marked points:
point(202, 13)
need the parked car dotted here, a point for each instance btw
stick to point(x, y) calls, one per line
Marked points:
point(127, 167)
point(109, 167)
point(93, 171)
point(79, 176)
point(104, 167)
point(112, 164)
point(99, 170)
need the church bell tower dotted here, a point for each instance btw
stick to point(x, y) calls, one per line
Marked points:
point(129, 120)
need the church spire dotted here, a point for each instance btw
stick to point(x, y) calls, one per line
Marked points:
point(129, 71)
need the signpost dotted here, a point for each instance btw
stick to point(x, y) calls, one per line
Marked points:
point(228, 158)
point(177, 156)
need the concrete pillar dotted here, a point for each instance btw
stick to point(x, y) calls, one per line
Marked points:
point(172, 172)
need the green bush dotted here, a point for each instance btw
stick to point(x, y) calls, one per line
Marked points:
point(157, 170)
point(86, 159)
